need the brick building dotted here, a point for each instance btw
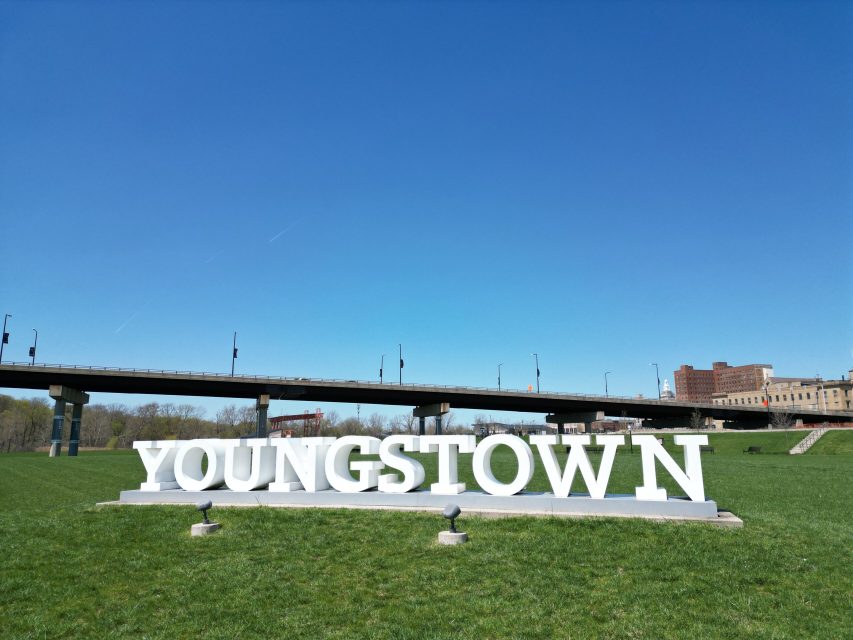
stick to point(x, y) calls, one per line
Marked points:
point(699, 385)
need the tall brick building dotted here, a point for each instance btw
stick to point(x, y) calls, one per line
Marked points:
point(698, 385)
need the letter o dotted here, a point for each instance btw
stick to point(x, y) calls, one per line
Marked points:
point(482, 464)
point(188, 473)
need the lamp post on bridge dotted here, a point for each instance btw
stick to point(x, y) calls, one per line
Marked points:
point(401, 363)
point(536, 355)
point(33, 348)
point(233, 353)
point(381, 368)
point(499, 375)
point(5, 339)
point(606, 394)
point(657, 374)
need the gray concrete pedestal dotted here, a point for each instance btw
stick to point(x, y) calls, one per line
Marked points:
point(452, 537)
point(202, 529)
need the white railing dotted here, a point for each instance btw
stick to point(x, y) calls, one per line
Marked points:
point(806, 443)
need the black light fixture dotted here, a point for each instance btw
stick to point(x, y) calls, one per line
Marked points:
point(34, 347)
point(203, 507)
point(451, 512)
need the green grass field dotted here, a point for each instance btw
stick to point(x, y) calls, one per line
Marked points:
point(69, 569)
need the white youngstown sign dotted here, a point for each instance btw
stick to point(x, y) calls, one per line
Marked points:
point(326, 466)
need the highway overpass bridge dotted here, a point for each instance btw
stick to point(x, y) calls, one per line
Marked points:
point(70, 384)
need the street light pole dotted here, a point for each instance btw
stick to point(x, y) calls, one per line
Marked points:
point(34, 347)
point(606, 394)
point(401, 363)
point(499, 375)
point(5, 339)
point(536, 355)
point(767, 402)
point(381, 368)
point(822, 393)
point(233, 353)
point(657, 374)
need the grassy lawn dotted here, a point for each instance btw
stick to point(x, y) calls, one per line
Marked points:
point(70, 569)
point(833, 443)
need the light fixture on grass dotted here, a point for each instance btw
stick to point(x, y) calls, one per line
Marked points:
point(205, 526)
point(452, 536)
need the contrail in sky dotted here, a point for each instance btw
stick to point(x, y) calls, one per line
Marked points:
point(214, 256)
point(281, 233)
point(131, 318)
point(128, 321)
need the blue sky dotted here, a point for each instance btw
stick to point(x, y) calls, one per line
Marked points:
point(607, 184)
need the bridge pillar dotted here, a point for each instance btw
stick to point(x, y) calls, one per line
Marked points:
point(431, 411)
point(77, 399)
point(261, 407)
point(76, 419)
point(422, 426)
point(585, 417)
point(58, 422)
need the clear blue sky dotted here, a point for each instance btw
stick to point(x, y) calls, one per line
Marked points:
point(607, 184)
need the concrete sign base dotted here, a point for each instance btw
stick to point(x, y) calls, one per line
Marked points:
point(452, 537)
point(470, 501)
point(202, 529)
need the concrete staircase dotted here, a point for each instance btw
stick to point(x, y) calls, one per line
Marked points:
point(806, 443)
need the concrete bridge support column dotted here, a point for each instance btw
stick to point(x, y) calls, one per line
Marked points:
point(586, 417)
point(431, 411)
point(62, 396)
point(58, 423)
point(76, 419)
point(261, 407)
point(422, 426)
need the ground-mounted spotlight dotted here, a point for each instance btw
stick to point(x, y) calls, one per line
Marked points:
point(205, 526)
point(452, 536)
point(203, 507)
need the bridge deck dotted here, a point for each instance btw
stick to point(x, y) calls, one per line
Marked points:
point(115, 380)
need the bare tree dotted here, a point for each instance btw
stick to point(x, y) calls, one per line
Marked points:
point(375, 425)
point(781, 419)
point(226, 421)
point(697, 420)
point(398, 424)
point(329, 423)
point(350, 427)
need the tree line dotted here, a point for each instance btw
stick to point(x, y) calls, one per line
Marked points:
point(26, 424)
